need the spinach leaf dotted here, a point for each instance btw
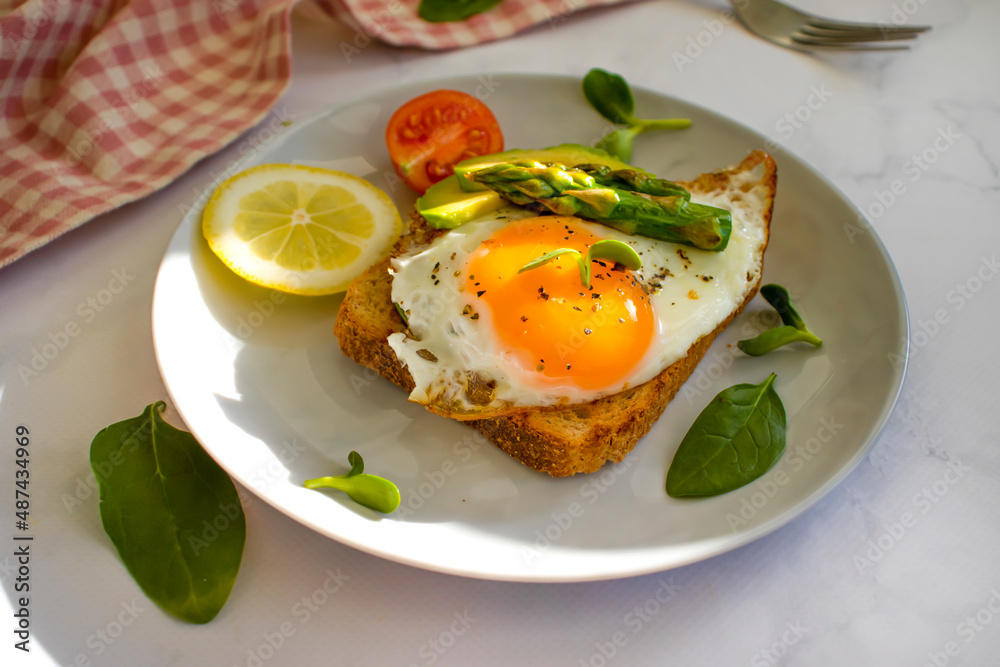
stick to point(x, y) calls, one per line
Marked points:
point(794, 328)
point(444, 11)
point(735, 440)
point(371, 491)
point(172, 513)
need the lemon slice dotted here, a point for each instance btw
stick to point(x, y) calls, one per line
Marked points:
point(299, 229)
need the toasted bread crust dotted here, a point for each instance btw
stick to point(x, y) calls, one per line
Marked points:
point(560, 441)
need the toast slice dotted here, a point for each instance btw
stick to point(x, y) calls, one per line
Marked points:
point(560, 441)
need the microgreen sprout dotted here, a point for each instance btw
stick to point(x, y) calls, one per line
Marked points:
point(611, 96)
point(616, 251)
point(402, 313)
point(793, 330)
point(373, 492)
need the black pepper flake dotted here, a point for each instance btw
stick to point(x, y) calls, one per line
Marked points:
point(568, 367)
point(587, 331)
point(707, 278)
point(436, 282)
point(437, 266)
point(621, 321)
point(544, 296)
point(433, 276)
point(475, 316)
point(523, 318)
point(578, 308)
point(481, 292)
point(471, 277)
point(595, 295)
point(467, 310)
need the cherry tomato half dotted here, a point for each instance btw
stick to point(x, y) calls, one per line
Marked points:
point(429, 134)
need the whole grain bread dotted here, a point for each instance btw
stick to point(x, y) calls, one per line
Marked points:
point(560, 441)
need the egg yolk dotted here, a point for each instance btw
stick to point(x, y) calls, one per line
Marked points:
point(552, 323)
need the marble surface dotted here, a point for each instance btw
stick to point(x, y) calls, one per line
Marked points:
point(895, 566)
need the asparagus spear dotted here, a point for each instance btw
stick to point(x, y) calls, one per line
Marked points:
point(633, 180)
point(628, 202)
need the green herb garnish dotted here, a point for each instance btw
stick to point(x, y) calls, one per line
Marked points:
point(373, 492)
point(402, 313)
point(794, 329)
point(172, 513)
point(443, 11)
point(618, 252)
point(735, 440)
point(611, 96)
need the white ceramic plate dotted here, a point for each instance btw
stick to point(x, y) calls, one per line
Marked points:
point(260, 381)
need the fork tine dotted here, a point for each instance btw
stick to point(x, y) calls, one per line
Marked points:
point(786, 26)
point(829, 24)
point(808, 39)
point(855, 35)
point(847, 45)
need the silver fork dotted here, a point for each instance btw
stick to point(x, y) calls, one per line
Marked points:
point(788, 27)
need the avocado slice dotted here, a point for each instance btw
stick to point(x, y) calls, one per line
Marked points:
point(455, 200)
point(446, 205)
point(569, 155)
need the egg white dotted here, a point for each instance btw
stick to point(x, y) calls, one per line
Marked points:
point(691, 291)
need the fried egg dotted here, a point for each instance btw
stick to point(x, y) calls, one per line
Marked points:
point(484, 339)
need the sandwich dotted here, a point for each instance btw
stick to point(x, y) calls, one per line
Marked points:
point(562, 360)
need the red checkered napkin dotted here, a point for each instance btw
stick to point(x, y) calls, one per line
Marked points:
point(396, 21)
point(105, 101)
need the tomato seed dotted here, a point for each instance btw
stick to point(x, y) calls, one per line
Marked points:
point(436, 171)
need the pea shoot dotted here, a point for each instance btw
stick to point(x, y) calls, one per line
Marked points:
point(371, 491)
point(793, 330)
point(611, 96)
point(616, 251)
